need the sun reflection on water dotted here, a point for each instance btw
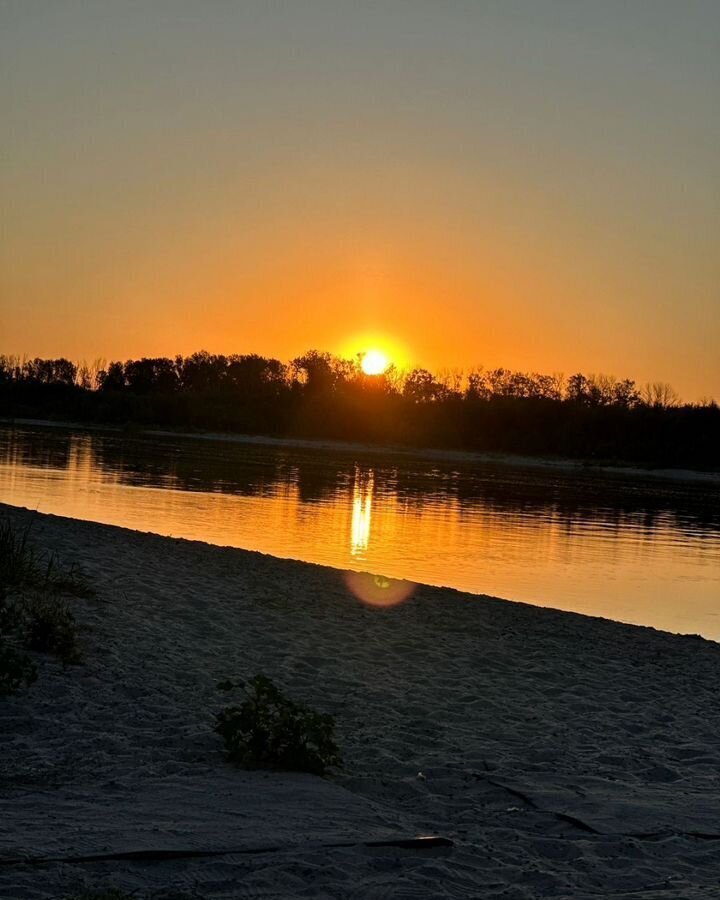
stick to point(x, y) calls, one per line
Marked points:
point(373, 590)
point(363, 487)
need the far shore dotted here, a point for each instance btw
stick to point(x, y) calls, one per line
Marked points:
point(560, 464)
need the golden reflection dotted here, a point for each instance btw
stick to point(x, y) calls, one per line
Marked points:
point(361, 511)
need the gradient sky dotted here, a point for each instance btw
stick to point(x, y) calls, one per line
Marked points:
point(531, 184)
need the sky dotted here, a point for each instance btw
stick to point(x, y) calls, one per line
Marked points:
point(461, 182)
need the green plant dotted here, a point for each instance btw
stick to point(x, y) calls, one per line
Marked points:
point(47, 625)
point(16, 669)
point(21, 565)
point(268, 730)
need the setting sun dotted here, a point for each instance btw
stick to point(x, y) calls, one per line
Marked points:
point(374, 362)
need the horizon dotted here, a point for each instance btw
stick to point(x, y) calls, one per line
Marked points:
point(400, 369)
point(531, 185)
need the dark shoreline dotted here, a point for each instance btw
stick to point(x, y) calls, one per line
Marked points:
point(511, 460)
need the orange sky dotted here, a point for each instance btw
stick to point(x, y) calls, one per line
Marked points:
point(523, 184)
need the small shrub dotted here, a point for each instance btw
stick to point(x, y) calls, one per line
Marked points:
point(48, 626)
point(17, 670)
point(270, 731)
point(21, 566)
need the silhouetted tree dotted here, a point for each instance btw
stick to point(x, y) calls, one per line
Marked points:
point(660, 394)
point(112, 378)
point(315, 370)
point(50, 371)
point(421, 387)
point(146, 375)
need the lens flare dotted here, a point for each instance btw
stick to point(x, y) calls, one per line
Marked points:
point(377, 590)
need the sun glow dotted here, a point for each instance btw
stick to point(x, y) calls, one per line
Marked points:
point(374, 362)
point(375, 353)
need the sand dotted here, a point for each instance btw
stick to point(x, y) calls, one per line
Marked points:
point(564, 756)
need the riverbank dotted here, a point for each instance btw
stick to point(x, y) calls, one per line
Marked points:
point(564, 756)
point(560, 464)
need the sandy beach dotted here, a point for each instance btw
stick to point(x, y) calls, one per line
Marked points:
point(564, 756)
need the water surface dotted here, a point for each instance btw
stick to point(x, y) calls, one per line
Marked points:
point(629, 548)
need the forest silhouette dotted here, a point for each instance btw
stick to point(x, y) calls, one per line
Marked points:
point(597, 418)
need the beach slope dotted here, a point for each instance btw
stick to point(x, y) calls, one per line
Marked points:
point(563, 756)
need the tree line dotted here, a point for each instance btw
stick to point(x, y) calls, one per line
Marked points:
point(318, 395)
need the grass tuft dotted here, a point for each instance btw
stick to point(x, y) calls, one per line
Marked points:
point(47, 625)
point(37, 617)
point(18, 564)
point(22, 566)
